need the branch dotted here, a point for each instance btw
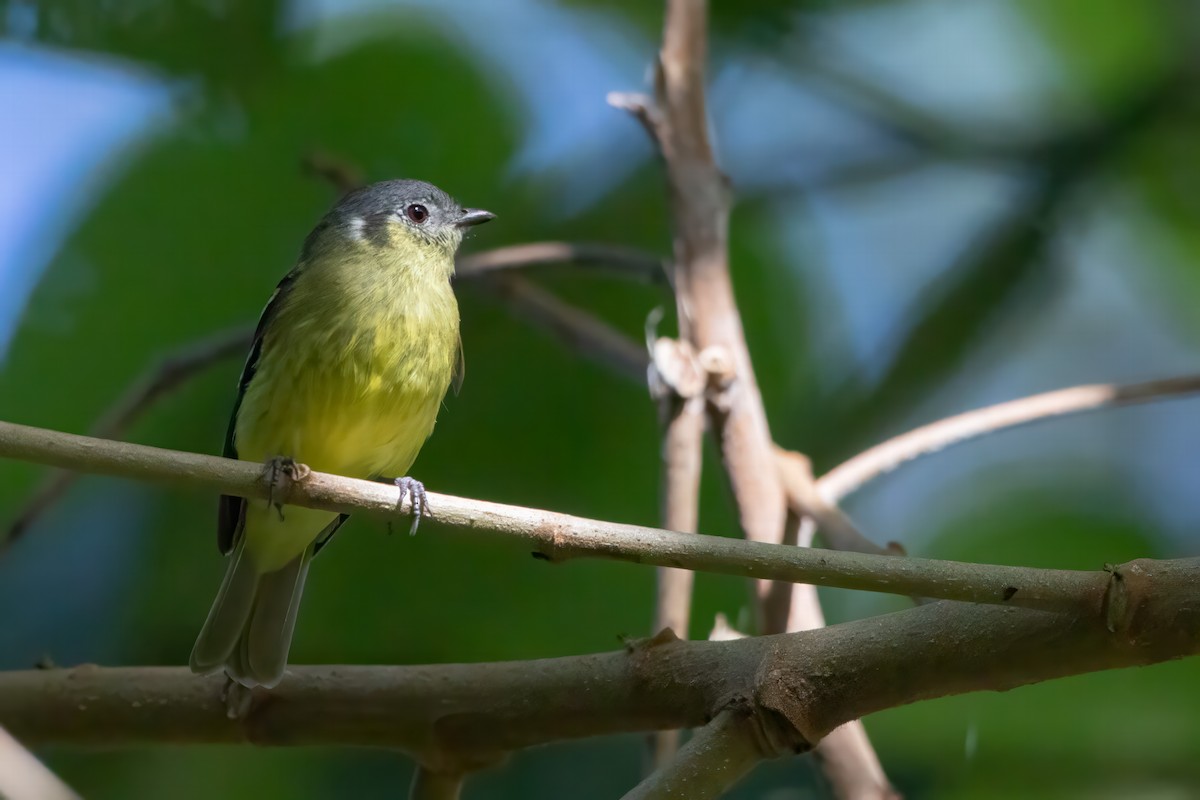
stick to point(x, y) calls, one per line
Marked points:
point(709, 319)
point(561, 537)
point(23, 777)
point(849, 476)
point(677, 383)
point(578, 329)
point(610, 259)
point(805, 499)
point(430, 785)
point(845, 756)
point(460, 717)
point(717, 756)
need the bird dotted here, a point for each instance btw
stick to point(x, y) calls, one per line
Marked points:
point(350, 362)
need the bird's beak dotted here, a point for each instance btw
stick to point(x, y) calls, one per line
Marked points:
point(474, 216)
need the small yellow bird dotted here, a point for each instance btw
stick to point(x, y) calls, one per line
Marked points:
point(352, 357)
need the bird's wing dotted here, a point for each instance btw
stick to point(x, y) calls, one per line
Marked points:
point(460, 368)
point(231, 509)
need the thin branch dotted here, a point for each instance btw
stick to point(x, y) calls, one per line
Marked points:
point(461, 717)
point(578, 329)
point(154, 384)
point(700, 204)
point(23, 777)
point(805, 499)
point(716, 757)
point(561, 537)
point(722, 631)
point(678, 385)
point(849, 476)
point(430, 785)
point(605, 258)
point(338, 172)
point(845, 756)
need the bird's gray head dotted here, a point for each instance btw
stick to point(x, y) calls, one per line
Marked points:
point(404, 213)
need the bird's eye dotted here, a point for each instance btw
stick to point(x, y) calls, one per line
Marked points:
point(417, 213)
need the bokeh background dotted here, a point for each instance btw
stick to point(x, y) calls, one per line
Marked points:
point(940, 205)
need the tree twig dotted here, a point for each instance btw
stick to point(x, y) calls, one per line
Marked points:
point(606, 258)
point(709, 319)
point(805, 499)
point(578, 329)
point(23, 777)
point(850, 475)
point(845, 755)
point(677, 384)
point(561, 537)
point(714, 759)
point(430, 785)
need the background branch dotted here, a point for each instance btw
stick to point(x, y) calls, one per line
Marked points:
point(850, 475)
point(714, 759)
point(23, 777)
point(430, 785)
point(677, 384)
point(605, 258)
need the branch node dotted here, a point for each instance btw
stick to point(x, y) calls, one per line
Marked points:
point(665, 636)
point(674, 370)
point(1116, 600)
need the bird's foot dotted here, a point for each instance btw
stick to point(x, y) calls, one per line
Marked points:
point(415, 490)
point(237, 699)
point(280, 473)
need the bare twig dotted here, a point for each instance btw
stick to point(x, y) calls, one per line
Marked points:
point(714, 759)
point(700, 202)
point(460, 717)
point(805, 500)
point(338, 172)
point(23, 777)
point(845, 756)
point(723, 631)
point(677, 384)
point(578, 329)
point(155, 383)
point(847, 477)
point(606, 258)
point(430, 785)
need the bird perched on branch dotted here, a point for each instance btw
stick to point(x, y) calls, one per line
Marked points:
point(352, 357)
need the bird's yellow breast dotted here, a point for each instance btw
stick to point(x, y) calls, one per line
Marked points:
point(352, 372)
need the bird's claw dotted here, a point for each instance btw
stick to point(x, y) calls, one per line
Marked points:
point(280, 473)
point(415, 490)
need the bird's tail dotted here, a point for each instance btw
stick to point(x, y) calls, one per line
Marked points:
point(249, 629)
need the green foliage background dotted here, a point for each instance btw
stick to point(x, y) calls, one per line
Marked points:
point(199, 220)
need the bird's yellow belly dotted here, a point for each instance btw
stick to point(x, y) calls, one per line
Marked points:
point(364, 413)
